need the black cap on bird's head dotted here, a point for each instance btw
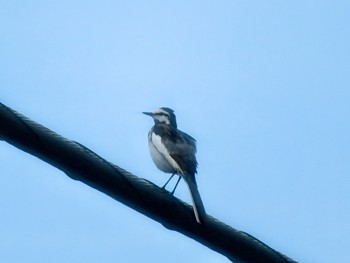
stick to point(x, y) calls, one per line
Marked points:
point(163, 115)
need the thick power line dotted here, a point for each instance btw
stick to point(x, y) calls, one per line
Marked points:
point(82, 164)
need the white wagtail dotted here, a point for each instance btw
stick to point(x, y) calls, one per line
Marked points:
point(173, 151)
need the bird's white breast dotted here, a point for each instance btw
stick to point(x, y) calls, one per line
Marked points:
point(159, 153)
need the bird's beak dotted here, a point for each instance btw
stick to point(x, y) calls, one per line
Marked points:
point(148, 113)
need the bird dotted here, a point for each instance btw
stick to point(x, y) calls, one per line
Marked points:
point(173, 151)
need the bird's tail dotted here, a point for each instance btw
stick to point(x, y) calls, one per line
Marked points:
point(198, 206)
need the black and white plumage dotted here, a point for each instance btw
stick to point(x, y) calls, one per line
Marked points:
point(173, 151)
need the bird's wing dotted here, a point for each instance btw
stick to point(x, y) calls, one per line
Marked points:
point(180, 149)
point(162, 149)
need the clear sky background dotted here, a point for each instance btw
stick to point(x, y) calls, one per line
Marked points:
point(262, 85)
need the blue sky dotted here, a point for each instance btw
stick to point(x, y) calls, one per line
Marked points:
point(262, 85)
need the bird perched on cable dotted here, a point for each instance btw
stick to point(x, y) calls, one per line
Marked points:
point(173, 151)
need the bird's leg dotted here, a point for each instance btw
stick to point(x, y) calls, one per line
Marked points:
point(168, 180)
point(178, 180)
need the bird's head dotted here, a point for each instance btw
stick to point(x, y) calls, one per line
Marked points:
point(163, 116)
